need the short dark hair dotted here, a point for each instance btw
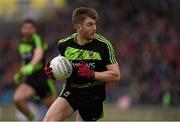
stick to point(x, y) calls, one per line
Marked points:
point(29, 21)
point(79, 14)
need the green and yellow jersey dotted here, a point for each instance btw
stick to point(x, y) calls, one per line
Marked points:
point(96, 55)
point(26, 49)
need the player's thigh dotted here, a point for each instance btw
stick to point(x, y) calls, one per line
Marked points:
point(48, 100)
point(59, 110)
point(23, 92)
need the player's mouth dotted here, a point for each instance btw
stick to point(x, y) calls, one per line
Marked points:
point(93, 34)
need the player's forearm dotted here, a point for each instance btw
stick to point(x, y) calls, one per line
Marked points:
point(107, 76)
point(38, 55)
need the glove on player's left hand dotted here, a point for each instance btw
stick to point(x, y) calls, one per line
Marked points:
point(84, 71)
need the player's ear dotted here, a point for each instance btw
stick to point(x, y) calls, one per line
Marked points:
point(78, 26)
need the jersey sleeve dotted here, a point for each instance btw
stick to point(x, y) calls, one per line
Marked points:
point(61, 47)
point(109, 55)
point(108, 50)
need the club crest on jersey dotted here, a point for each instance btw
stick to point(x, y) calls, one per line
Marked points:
point(90, 54)
point(80, 55)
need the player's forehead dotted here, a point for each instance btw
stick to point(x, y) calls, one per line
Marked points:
point(28, 25)
point(89, 20)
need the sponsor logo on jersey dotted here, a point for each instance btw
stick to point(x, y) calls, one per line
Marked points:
point(90, 65)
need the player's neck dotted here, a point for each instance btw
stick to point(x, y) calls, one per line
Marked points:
point(27, 39)
point(82, 41)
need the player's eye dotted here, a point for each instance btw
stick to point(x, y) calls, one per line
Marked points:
point(90, 24)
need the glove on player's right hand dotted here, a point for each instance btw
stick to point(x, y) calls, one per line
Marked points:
point(48, 71)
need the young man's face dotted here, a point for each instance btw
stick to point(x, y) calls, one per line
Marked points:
point(88, 28)
point(27, 29)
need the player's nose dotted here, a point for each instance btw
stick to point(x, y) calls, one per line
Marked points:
point(94, 28)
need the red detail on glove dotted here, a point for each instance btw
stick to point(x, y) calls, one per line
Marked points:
point(84, 71)
point(48, 71)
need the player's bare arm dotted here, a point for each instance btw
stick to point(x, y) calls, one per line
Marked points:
point(38, 54)
point(112, 73)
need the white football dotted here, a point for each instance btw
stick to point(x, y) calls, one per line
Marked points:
point(61, 67)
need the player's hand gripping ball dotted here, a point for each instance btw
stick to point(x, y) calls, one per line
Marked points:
point(61, 68)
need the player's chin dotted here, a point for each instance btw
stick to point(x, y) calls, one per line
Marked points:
point(27, 34)
point(92, 36)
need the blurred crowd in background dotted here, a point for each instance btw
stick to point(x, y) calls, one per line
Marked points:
point(145, 35)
